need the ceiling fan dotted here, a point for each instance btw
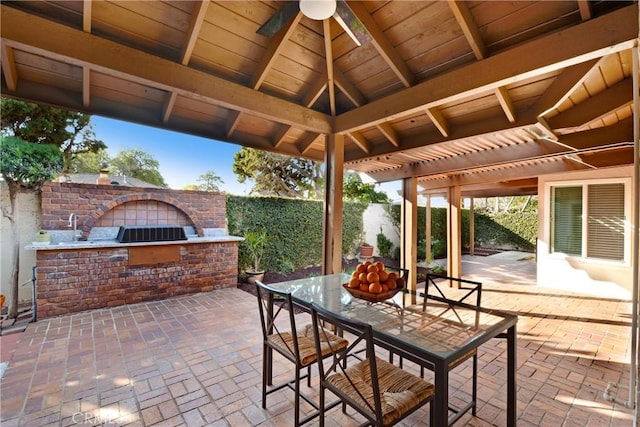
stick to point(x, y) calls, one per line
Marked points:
point(317, 10)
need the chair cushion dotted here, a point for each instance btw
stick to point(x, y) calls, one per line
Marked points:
point(400, 391)
point(306, 344)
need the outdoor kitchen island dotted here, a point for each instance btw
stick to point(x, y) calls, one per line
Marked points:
point(85, 275)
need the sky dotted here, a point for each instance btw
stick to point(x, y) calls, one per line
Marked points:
point(183, 158)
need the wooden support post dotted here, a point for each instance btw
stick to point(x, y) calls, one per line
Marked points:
point(332, 210)
point(427, 236)
point(454, 232)
point(409, 234)
point(472, 228)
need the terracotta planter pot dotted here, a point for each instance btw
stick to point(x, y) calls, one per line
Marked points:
point(366, 251)
point(252, 276)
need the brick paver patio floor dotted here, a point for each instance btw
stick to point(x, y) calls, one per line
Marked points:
point(196, 360)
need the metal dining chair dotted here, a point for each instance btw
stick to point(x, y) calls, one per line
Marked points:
point(464, 293)
point(280, 334)
point(381, 392)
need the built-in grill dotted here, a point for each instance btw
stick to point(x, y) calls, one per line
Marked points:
point(150, 233)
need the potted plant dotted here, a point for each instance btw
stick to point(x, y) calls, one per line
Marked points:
point(366, 250)
point(255, 242)
point(43, 237)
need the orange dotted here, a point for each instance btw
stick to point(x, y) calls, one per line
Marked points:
point(375, 288)
point(372, 277)
point(392, 277)
point(383, 275)
point(354, 282)
point(361, 268)
point(385, 287)
point(364, 287)
point(372, 268)
point(391, 284)
point(380, 266)
point(362, 277)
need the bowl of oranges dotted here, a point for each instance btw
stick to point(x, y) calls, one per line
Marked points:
point(372, 282)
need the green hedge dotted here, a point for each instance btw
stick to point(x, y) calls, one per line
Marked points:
point(508, 231)
point(294, 228)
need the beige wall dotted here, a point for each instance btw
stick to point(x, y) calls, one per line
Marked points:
point(374, 218)
point(28, 226)
point(599, 277)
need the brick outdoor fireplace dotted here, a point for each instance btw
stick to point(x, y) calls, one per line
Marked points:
point(88, 268)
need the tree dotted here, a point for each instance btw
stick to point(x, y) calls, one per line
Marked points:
point(278, 174)
point(210, 181)
point(70, 131)
point(139, 164)
point(91, 162)
point(24, 166)
point(355, 190)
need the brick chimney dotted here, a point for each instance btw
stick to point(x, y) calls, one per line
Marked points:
point(104, 179)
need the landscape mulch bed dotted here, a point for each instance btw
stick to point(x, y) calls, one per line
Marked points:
point(348, 265)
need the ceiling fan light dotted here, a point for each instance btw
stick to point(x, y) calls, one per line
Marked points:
point(318, 9)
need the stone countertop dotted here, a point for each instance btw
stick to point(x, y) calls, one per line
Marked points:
point(90, 244)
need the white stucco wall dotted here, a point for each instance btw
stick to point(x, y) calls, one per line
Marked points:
point(28, 226)
point(587, 275)
point(374, 219)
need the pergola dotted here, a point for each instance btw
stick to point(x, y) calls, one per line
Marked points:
point(451, 97)
point(462, 98)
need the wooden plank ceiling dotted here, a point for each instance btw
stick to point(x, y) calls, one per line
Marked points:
point(484, 94)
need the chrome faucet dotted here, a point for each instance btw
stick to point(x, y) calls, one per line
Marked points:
point(73, 222)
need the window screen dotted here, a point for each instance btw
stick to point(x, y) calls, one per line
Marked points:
point(567, 220)
point(605, 222)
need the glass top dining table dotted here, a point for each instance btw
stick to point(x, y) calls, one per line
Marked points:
point(434, 338)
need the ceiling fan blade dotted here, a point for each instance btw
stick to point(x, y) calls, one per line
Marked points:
point(281, 17)
point(351, 24)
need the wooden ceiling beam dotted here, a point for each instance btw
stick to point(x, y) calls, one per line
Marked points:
point(614, 32)
point(564, 85)
point(389, 133)
point(86, 15)
point(382, 44)
point(274, 50)
point(25, 31)
point(469, 28)
point(279, 136)
point(438, 119)
point(516, 171)
point(348, 88)
point(484, 158)
point(585, 9)
point(86, 86)
point(517, 187)
point(496, 124)
point(319, 86)
point(621, 133)
point(595, 107)
point(268, 61)
point(9, 68)
point(591, 139)
point(194, 29)
point(360, 141)
point(167, 108)
point(305, 144)
point(602, 159)
point(232, 123)
point(329, 58)
point(505, 102)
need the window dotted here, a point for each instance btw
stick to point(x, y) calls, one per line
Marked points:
point(588, 220)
